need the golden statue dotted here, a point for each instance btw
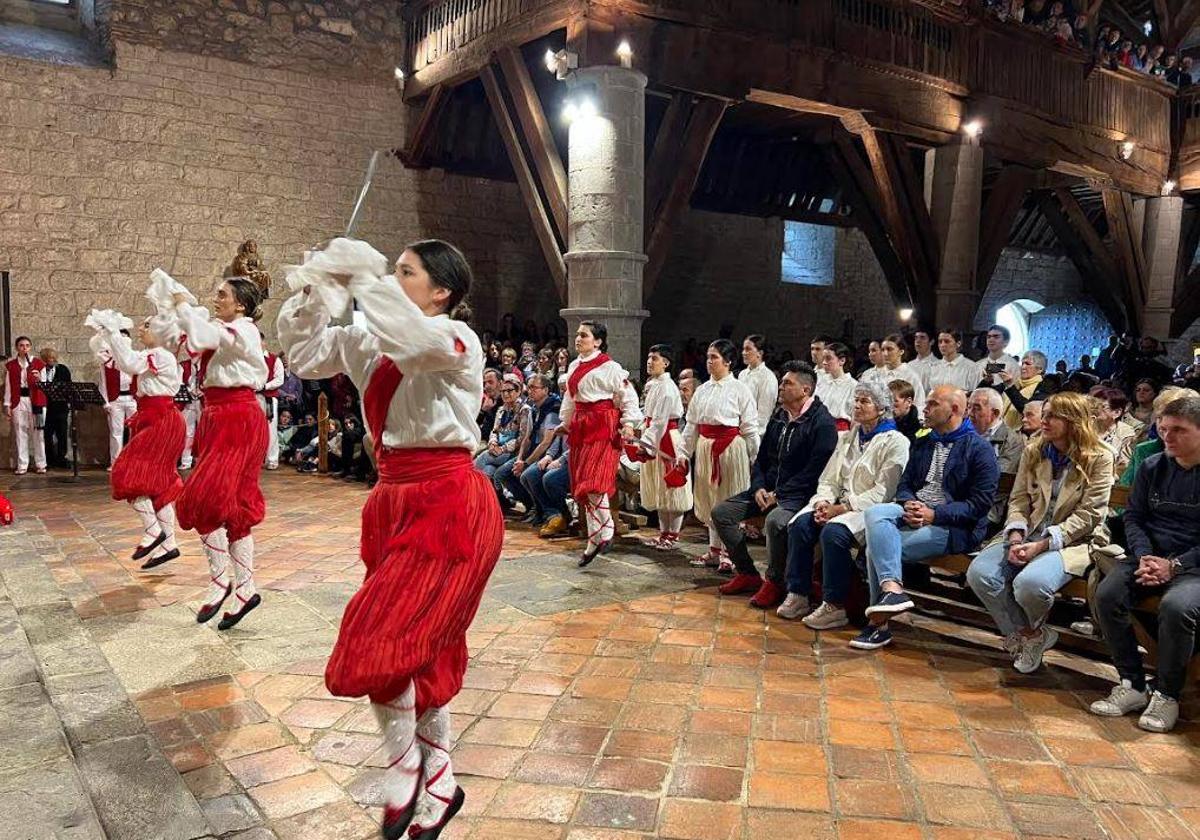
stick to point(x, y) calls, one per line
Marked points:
point(249, 264)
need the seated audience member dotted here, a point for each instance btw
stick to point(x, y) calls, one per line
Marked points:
point(987, 369)
point(1141, 410)
point(759, 378)
point(1162, 548)
point(864, 471)
point(799, 440)
point(527, 361)
point(892, 350)
point(541, 444)
point(983, 409)
point(552, 494)
point(1056, 515)
point(924, 360)
point(491, 403)
point(308, 459)
point(904, 413)
point(1109, 407)
point(1029, 384)
point(953, 368)
point(514, 425)
point(687, 387)
point(286, 429)
point(836, 388)
point(1031, 419)
point(355, 462)
point(1153, 443)
point(508, 364)
point(941, 507)
point(302, 436)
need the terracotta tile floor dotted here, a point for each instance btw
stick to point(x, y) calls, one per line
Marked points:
point(677, 714)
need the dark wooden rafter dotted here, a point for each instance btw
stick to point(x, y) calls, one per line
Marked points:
point(547, 162)
point(1176, 19)
point(1127, 242)
point(1186, 308)
point(702, 125)
point(1086, 251)
point(415, 155)
point(667, 142)
point(996, 220)
point(858, 187)
point(912, 191)
point(542, 226)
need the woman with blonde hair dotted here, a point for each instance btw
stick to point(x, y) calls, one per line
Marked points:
point(1056, 515)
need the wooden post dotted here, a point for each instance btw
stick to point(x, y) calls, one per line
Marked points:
point(323, 433)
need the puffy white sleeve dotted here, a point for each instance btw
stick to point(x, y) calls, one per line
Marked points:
point(691, 429)
point(657, 411)
point(631, 412)
point(413, 340)
point(567, 409)
point(126, 359)
point(316, 350)
point(748, 427)
point(202, 332)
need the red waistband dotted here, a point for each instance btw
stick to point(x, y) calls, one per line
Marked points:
point(155, 404)
point(714, 431)
point(411, 466)
point(225, 396)
point(599, 405)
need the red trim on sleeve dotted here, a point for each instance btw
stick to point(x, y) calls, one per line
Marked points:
point(150, 363)
point(459, 347)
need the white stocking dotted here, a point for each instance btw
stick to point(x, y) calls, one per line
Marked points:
point(242, 552)
point(670, 523)
point(714, 541)
point(144, 508)
point(437, 776)
point(599, 519)
point(398, 722)
point(216, 546)
point(166, 522)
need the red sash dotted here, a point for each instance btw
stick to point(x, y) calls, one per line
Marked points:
point(722, 437)
point(377, 397)
point(582, 370)
point(413, 466)
point(228, 396)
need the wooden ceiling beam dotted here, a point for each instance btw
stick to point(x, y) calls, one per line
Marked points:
point(1118, 208)
point(1087, 261)
point(996, 220)
point(701, 128)
point(542, 226)
point(667, 143)
point(538, 138)
point(415, 155)
point(1186, 307)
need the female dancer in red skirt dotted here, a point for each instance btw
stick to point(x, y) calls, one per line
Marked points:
point(144, 473)
point(599, 408)
point(432, 527)
point(221, 499)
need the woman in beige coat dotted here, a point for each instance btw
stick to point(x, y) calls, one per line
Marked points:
point(863, 471)
point(1056, 514)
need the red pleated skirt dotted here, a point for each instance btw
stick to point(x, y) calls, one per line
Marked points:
point(146, 465)
point(595, 449)
point(431, 534)
point(231, 443)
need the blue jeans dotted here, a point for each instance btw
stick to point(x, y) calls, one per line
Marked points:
point(1018, 597)
point(487, 463)
point(836, 563)
point(891, 544)
point(531, 486)
point(556, 485)
point(505, 480)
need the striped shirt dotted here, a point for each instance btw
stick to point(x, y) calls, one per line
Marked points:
point(932, 493)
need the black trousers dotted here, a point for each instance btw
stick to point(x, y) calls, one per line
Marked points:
point(56, 432)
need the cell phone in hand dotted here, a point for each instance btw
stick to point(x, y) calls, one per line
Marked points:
point(994, 367)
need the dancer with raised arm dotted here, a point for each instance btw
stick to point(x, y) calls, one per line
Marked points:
point(432, 528)
point(221, 499)
point(144, 473)
point(599, 409)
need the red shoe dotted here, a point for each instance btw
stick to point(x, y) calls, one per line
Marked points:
point(741, 584)
point(769, 596)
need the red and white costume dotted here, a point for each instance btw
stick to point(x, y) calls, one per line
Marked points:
point(722, 432)
point(144, 473)
point(189, 369)
point(431, 528)
point(221, 499)
point(837, 395)
point(268, 399)
point(661, 441)
point(22, 379)
point(597, 400)
point(119, 390)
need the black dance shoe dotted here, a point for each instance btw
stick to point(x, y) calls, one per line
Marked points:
point(160, 559)
point(435, 831)
point(396, 820)
point(230, 619)
point(593, 552)
point(142, 550)
point(209, 610)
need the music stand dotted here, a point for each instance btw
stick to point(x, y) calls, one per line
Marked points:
point(77, 395)
point(183, 396)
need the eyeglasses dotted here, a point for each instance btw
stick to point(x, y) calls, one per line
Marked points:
point(508, 390)
point(1050, 415)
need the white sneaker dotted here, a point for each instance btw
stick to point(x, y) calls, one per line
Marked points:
point(826, 617)
point(1084, 628)
point(793, 607)
point(1122, 700)
point(1029, 657)
point(1160, 715)
point(1012, 643)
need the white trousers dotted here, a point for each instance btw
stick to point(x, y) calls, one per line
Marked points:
point(27, 435)
point(272, 412)
point(118, 411)
point(191, 416)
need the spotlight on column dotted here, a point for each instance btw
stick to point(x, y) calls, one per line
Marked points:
point(1168, 187)
point(578, 108)
point(973, 129)
point(1127, 149)
point(625, 54)
point(561, 63)
point(398, 74)
point(906, 313)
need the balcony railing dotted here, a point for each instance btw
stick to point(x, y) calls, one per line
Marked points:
point(440, 28)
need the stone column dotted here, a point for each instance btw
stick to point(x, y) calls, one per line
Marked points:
point(606, 186)
point(1160, 244)
point(954, 193)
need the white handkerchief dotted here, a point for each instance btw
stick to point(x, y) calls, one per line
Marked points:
point(107, 319)
point(352, 257)
point(162, 291)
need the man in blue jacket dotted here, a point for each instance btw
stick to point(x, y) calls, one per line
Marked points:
point(800, 438)
point(941, 508)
